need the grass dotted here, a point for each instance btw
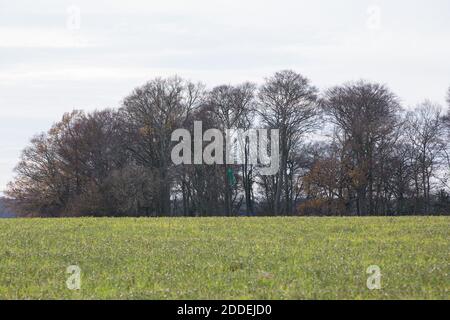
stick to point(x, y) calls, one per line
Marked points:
point(225, 258)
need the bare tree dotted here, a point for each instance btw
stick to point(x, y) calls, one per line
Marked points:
point(201, 187)
point(287, 102)
point(152, 112)
point(63, 172)
point(425, 132)
point(231, 107)
point(366, 115)
point(38, 188)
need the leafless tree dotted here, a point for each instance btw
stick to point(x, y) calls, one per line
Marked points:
point(287, 101)
point(366, 115)
point(152, 112)
point(425, 132)
point(232, 107)
point(63, 171)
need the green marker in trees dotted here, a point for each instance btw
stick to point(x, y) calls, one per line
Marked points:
point(230, 176)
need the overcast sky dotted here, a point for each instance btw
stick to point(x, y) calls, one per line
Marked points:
point(58, 55)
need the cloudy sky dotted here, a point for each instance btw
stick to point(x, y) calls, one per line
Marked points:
point(57, 55)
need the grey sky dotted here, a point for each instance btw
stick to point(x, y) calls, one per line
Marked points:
point(50, 64)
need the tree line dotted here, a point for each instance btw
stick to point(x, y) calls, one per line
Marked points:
point(350, 150)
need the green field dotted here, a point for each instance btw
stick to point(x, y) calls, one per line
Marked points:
point(225, 258)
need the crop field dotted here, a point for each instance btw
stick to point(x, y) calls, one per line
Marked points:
point(225, 258)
